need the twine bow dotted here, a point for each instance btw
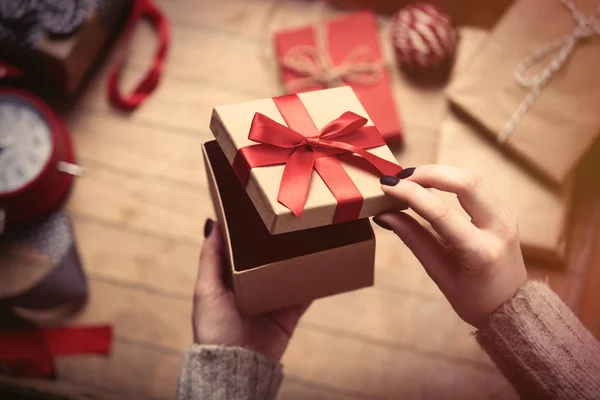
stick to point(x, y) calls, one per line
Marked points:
point(361, 65)
point(585, 27)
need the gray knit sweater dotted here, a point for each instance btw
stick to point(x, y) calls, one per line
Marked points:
point(534, 339)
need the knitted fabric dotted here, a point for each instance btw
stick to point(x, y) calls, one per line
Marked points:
point(232, 373)
point(541, 346)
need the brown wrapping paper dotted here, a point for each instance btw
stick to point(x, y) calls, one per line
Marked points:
point(540, 210)
point(231, 124)
point(564, 120)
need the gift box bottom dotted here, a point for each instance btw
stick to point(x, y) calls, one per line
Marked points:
point(267, 272)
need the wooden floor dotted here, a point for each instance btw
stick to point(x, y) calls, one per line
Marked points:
point(140, 208)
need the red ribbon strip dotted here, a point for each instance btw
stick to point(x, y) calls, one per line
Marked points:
point(132, 100)
point(302, 148)
point(8, 71)
point(32, 352)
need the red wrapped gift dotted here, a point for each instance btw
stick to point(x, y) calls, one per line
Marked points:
point(344, 51)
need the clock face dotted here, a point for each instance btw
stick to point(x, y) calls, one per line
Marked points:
point(25, 142)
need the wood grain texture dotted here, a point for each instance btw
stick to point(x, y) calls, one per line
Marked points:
point(139, 210)
point(149, 320)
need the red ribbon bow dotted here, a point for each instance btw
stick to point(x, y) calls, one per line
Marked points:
point(302, 148)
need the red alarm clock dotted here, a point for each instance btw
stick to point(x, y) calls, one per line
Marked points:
point(36, 158)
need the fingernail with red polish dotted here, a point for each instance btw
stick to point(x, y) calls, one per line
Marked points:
point(389, 180)
point(208, 227)
point(405, 173)
point(382, 224)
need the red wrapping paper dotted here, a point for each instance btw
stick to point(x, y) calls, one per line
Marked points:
point(344, 35)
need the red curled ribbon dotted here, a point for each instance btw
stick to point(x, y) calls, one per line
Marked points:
point(131, 101)
point(301, 147)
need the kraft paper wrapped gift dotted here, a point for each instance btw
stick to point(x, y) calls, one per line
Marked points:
point(563, 121)
point(541, 210)
point(268, 272)
point(337, 115)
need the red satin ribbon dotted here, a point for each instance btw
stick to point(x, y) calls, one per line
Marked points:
point(302, 148)
point(32, 352)
point(132, 100)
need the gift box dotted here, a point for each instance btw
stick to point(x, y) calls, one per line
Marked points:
point(542, 211)
point(293, 180)
point(341, 51)
point(268, 272)
point(532, 85)
point(307, 160)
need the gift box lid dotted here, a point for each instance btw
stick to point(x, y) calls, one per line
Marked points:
point(316, 152)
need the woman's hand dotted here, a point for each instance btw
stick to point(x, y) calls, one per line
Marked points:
point(479, 265)
point(216, 319)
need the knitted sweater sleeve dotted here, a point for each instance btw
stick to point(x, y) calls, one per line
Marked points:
point(541, 346)
point(232, 373)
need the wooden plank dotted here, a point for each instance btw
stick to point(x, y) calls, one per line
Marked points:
point(192, 67)
point(397, 320)
point(160, 322)
point(156, 373)
point(143, 150)
point(210, 55)
point(147, 149)
point(178, 103)
point(294, 389)
point(158, 261)
point(114, 254)
point(395, 315)
point(248, 19)
point(171, 216)
point(388, 373)
point(132, 369)
point(142, 203)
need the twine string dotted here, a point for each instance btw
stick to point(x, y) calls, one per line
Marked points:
point(361, 65)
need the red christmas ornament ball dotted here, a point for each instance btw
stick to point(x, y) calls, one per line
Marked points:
point(423, 36)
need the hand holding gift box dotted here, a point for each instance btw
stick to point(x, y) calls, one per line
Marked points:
point(286, 242)
point(554, 121)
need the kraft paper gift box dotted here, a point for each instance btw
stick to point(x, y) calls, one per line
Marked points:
point(351, 39)
point(277, 258)
point(268, 272)
point(541, 210)
point(355, 183)
point(563, 120)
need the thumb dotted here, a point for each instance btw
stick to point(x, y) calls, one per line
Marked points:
point(211, 262)
point(430, 252)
